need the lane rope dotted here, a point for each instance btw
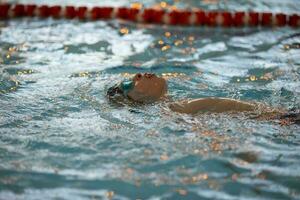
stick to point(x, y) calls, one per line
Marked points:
point(192, 17)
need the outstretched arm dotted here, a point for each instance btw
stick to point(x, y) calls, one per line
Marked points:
point(211, 105)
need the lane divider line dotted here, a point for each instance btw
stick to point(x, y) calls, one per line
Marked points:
point(178, 17)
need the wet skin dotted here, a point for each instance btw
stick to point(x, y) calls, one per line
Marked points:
point(148, 88)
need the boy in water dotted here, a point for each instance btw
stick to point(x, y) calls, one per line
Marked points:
point(145, 88)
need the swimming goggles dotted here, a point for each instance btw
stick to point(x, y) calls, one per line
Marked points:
point(126, 86)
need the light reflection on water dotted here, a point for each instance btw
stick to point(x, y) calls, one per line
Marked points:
point(60, 137)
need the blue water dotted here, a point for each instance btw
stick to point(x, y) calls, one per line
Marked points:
point(60, 138)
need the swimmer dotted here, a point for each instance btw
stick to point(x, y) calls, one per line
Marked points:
point(147, 88)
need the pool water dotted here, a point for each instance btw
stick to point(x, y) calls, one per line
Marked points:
point(60, 138)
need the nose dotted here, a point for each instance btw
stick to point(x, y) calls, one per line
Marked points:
point(137, 77)
point(149, 75)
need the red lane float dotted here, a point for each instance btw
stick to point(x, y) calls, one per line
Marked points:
point(30, 10)
point(55, 11)
point(280, 19)
point(194, 17)
point(4, 11)
point(44, 11)
point(130, 14)
point(177, 17)
point(150, 15)
point(200, 18)
point(238, 19)
point(100, 13)
point(81, 12)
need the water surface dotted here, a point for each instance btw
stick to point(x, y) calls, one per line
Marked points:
point(60, 138)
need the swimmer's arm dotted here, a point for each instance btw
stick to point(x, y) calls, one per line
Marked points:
point(211, 105)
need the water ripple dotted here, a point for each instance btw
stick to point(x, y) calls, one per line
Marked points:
point(61, 138)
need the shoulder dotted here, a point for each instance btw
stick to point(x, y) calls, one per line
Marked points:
point(211, 104)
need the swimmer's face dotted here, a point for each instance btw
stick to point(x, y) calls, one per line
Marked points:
point(147, 88)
